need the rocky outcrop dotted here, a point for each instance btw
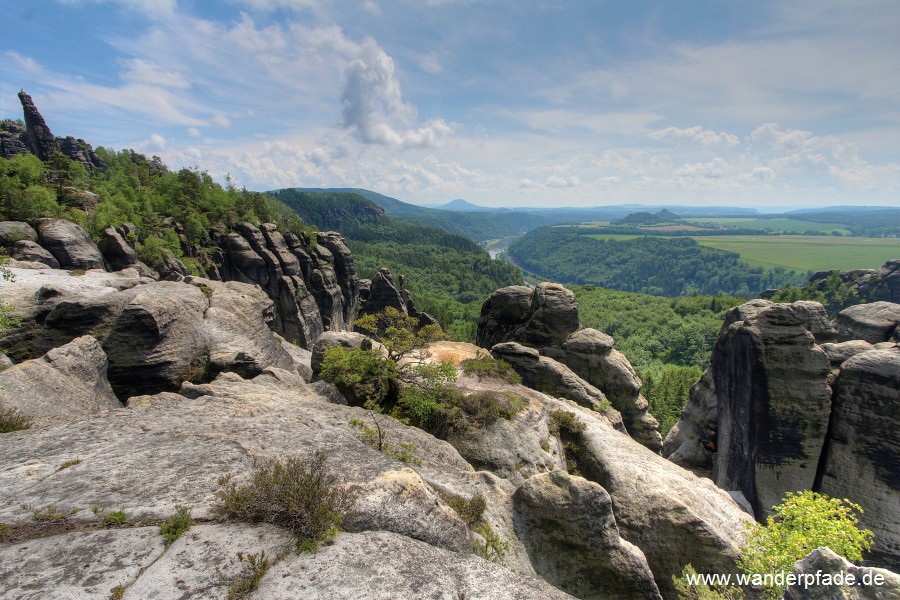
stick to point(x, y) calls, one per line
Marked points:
point(871, 285)
point(69, 244)
point(819, 571)
point(28, 251)
point(66, 384)
point(12, 139)
point(116, 251)
point(789, 412)
point(568, 526)
point(38, 138)
point(862, 458)
point(546, 319)
point(872, 323)
point(785, 408)
point(14, 231)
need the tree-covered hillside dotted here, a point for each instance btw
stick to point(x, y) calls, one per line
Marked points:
point(651, 265)
point(448, 275)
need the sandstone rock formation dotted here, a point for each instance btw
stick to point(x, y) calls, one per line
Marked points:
point(546, 319)
point(28, 251)
point(567, 524)
point(823, 561)
point(784, 407)
point(13, 231)
point(69, 244)
point(66, 384)
point(872, 285)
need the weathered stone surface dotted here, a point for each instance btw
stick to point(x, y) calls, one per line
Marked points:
point(383, 294)
point(568, 527)
point(160, 334)
point(502, 313)
point(38, 138)
point(13, 231)
point(862, 461)
point(12, 139)
point(590, 354)
point(380, 564)
point(873, 322)
point(69, 244)
point(838, 352)
point(823, 561)
point(66, 384)
point(673, 516)
point(692, 441)
point(79, 150)
point(773, 401)
point(27, 250)
point(546, 319)
point(116, 251)
point(872, 285)
point(345, 270)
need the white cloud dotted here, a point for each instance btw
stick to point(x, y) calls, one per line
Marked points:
point(431, 63)
point(697, 134)
point(145, 72)
point(26, 63)
point(193, 132)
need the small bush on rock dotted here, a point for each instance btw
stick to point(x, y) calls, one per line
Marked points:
point(172, 528)
point(491, 368)
point(254, 567)
point(12, 420)
point(301, 495)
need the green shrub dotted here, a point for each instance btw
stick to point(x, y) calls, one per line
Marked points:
point(376, 438)
point(364, 371)
point(172, 528)
point(12, 420)
point(493, 547)
point(254, 567)
point(803, 522)
point(114, 518)
point(567, 429)
point(50, 514)
point(689, 588)
point(485, 407)
point(491, 368)
point(69, 463)
point(299, 494)
point(470, 511)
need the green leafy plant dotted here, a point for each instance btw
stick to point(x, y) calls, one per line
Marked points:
point(299, 494)
point(470, 511)
point(5, 532)
point(69, 463)
point(172, 528)
point(490, 368)
point(113, 518)
point(491, 547)
point(803, 522)
point(254, 566)
point(567, 429)
point(12, 420)
point(77, 272)
point(118, 593)
point(376, 438)
point(690, 587)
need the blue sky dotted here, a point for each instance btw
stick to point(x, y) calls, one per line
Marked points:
point(770, 103)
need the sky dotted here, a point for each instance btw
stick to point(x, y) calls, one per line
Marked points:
point(772, 104)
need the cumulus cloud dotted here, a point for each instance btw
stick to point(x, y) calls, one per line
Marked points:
point(373, 107)
point(697, 134)
point(142, 71)
point(26, 63)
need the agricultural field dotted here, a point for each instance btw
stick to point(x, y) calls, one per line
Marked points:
point(813, 253)
point(779, 224)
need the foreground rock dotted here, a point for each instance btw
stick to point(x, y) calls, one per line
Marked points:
point(568, 525)
point(546, 320)
point(69, 244)
point(66, 384)
point(869, 583)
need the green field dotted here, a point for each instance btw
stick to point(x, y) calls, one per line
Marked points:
point(814, 253)
point(772, 224)
point(799, 252)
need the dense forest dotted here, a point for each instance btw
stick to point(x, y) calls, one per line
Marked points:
point(449, 276)
point(651, 265)
point(669, 341)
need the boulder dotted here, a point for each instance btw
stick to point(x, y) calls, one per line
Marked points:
point(838, 352)
point(383, 294)
point(818, 571)
point(69, 244)
point(14, 231)
point(29, 251)
point(66, 384)
point(554, 316)
point(568, 526)
point(116, 251)
point(773, 401)
point(873, 322)
point(673, 516)
point(862, 459)
point(504, 311)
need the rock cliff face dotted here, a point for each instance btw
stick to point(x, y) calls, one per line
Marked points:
point(311, 291)
point(546, 320)
point(872, 285)
point(786, 407)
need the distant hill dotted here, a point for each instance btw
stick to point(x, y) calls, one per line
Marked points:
point(470, 224)
point(867, 221)
point(646, 218)
point(460, 205)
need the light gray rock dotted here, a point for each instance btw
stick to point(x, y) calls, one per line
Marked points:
point(862, 461)
point(823, 561)
point(873, 322)
point(69, 244)
point(381, 565)
point(568, 527)
point(773, 400)
point(29, 251)
point(13, 231)
point(116, 251)
point(838, 352)
point(672, 515)
point(66, 384)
